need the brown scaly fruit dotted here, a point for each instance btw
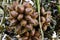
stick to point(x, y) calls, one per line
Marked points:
point(43, 20)
point(29, 11)
point(14, 4)
point(20, 9)
point(20, 17)
point(35, 22)
point(30, 19)
point(26, 34)
point(48, 21)
point(18, 29)
point(14, 14)
point(43, 11)
point(34, 15)
point(37, 34)
point(29, 26)
point(44, 27)
point(23, 23)
point(32, 32)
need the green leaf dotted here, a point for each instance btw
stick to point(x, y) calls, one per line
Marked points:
point(58, 8)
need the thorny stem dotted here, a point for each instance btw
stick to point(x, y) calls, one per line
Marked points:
point(40, 25)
